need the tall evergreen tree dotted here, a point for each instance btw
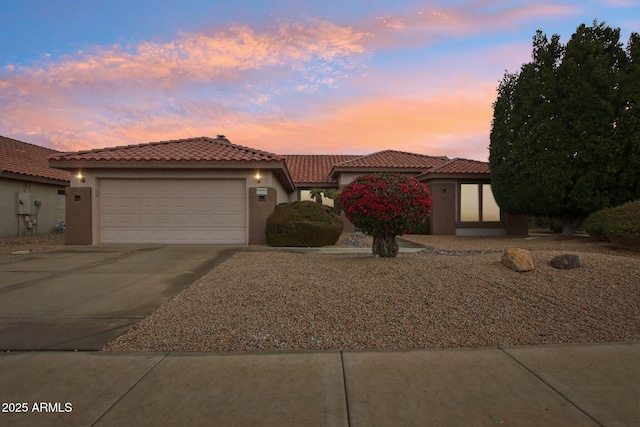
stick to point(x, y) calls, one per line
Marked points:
point(565, 128)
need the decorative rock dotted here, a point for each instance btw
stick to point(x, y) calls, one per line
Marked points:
point(518, 260)
point(565, 262)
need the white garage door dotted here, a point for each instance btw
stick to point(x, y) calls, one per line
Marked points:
point(172, 211)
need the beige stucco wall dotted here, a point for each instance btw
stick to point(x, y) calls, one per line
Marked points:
point(91, 178)
point(282, 196)
point(49, 213)
point(304, 195)
point(345, 178)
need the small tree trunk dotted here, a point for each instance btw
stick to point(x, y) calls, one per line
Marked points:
point(385, 245)
point(569, 226)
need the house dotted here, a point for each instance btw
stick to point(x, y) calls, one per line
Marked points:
point(463, 203)
point(209, 190)
point(31, 193)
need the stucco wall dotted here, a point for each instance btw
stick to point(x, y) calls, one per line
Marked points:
point(50, 212)
point(260, 207)
point(345, 178)
point(442, 220)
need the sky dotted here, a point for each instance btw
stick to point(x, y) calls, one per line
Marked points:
point(284, 76)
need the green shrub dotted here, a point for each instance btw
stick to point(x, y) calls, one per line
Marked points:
point(303, 224)
point(623, 225)
point(595, 223)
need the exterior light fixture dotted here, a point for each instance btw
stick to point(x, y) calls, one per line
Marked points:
point(80, 176)
point(258, 177)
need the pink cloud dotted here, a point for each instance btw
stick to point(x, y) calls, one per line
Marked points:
point(480, 16)
point(231, 81)
point(219, 57)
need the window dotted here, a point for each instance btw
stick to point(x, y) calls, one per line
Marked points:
point(469, 203)
point(477, 204)
point(490, 209)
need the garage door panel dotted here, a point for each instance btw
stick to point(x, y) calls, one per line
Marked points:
point(172, 211)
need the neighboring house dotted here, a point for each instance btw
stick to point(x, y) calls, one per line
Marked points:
point(31, 193)
point(205, 190)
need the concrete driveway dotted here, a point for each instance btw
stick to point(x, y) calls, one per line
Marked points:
point(85, 296)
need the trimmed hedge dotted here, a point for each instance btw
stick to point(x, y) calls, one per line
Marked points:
point(303, 224)
point(594, 225)
point(623, 225)
point(620, 224)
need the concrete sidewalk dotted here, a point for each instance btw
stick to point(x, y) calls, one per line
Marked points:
point(565, 385)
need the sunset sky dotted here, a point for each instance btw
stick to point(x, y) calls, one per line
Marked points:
point(289, 76)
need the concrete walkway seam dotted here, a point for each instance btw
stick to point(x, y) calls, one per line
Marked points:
point(574, 404)
point(164, 356)
point(344, 383)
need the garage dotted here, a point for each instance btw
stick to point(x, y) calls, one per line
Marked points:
point(211, 211)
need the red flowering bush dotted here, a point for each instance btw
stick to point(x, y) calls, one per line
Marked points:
point(384, 206)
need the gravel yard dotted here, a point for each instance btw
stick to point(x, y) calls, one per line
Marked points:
point(39, 243)
point(442, 297)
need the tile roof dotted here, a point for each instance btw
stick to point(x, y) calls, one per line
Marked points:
point(200, 149)
point(461, 166)
point(393, 159)
point(318, 168)
point(21, 158)
point(311, 169)
point(314, 168)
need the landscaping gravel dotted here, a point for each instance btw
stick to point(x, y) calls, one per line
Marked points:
point(16, 246)
point(286, 301)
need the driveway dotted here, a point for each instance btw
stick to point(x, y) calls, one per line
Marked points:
point(83, 297)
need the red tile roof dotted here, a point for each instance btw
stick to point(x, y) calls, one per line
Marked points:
point(17, 157)
point(461, 166)
point(314, 168)
point(320, 169)
point(394, 160)
point(200, 149)
point(309, 169)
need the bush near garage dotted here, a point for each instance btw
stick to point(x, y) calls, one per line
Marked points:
point(303, 224)
point(623, 225)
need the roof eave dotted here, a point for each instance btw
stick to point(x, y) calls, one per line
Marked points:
point(323, 184)
point(33, 178)
point(154, 164)
point(429, 176)
point(71, 165)
point(374, 169)
point(284, 176)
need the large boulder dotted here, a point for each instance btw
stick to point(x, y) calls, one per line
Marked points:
point(303, 224)
point(518, 260)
